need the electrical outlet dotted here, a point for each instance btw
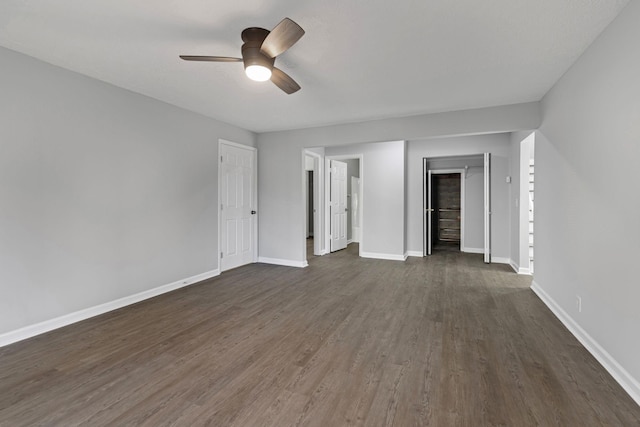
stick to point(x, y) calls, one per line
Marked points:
point(579, 303)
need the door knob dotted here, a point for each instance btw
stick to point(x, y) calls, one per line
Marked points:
point(253, 212)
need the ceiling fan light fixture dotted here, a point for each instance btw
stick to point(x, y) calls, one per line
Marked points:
point(259, 52)
point(258, 73)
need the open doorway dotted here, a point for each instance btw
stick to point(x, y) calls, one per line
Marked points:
point(526, 211)
point(313, 195)
point(447, 196)
point(344, 207)
point(457, 204)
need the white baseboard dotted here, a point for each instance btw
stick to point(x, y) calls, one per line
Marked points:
point(415, 253)
point(520, 270)
point(473, 250)
point(500, 260)
point(67, 319)
point(628, 382)
point(284, 262)
point(514, 266)
point(390, 257)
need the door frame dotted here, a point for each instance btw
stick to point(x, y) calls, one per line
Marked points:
point(319, 247)
point(430, 174)
point(486, 156)
point(254, 201)
point(326, 205)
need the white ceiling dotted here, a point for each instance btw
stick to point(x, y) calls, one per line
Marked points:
point(359, 59)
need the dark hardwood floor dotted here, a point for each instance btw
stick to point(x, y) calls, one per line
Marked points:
point(443, 341)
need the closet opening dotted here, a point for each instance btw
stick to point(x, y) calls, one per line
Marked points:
point(457, 204)
point(446, 221)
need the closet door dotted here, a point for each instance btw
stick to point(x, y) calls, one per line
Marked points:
point(427, 210)
point(487, 207)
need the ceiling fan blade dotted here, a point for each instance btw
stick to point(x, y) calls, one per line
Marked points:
point(281, 38)
point(283, 81)
point(210, 58)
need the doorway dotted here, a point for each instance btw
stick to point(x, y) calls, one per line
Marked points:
point(446, 201)
point(457, 216)
point(344, 214)
point(526, 214)
point(313, 193)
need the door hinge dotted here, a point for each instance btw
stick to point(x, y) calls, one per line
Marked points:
point(221, 159)
point(221, 254)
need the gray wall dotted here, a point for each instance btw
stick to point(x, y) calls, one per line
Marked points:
point(281, 219)
point(104, 193)
point(499, 147)
point(586, 176)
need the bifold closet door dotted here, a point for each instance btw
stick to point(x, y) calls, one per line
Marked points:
point(487, 207)
point(427, 209)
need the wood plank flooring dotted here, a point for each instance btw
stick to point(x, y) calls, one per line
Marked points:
point(442, 341)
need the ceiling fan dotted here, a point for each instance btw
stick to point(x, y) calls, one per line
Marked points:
point(259, 52)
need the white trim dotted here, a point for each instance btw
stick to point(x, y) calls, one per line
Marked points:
point(500, 260)
point(390, 257)
point(514, 266)
point(283, 262)
point(518, 269)
point(254, 202)
point(77, 316)
point(624, 378)
point(415, 253)
point(472, 250)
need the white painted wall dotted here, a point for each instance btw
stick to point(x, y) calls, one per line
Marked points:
point(281, 219)
point(382, 174)
point(499, 147)
point(103, 193)
point(587, 198)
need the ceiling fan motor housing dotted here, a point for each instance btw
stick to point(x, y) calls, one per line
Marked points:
point(251, 54)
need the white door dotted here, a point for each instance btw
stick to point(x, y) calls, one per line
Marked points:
point(429, 214)
point(355, 209)
point(338, 205)
point(237, 208)
point(487, 207)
